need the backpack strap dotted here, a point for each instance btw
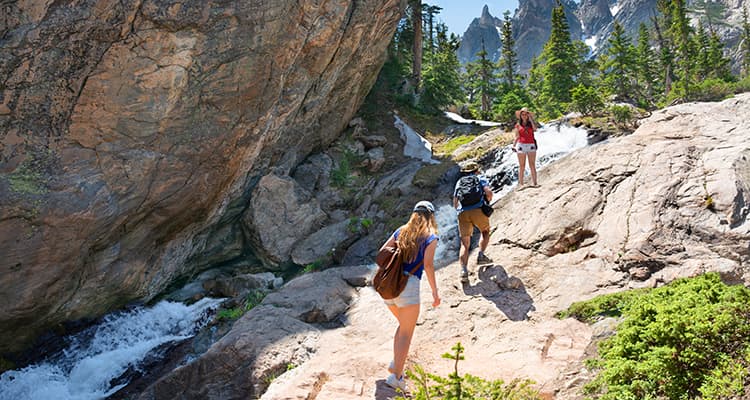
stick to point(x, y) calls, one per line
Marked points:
point(416, 268)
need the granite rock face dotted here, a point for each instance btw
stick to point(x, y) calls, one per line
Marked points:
point(133, 134)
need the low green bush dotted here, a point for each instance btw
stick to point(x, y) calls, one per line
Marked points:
point(687, 340)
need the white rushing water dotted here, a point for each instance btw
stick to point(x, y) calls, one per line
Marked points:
point(554, 142)
point(102, 353)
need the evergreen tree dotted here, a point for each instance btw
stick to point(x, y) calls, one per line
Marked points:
point(721, 64)
point(666, 53)
point(508, 58)
point(704, 68)
point(745, 43)
point(429, 13)
point(647, 70)
point(441, 77)
point(619, 64)
point(536, 79)
point(559, 62)
point(482, 81)
point(680, 31)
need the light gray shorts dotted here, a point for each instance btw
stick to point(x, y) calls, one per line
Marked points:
point(409, 296)
point(526, 148)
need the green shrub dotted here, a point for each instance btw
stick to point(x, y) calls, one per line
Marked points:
point(586, 100)
point(623, 115)
point(313, 266)
point(230, 313)
point(505, 109)
point(467, 387)
point(687, 340)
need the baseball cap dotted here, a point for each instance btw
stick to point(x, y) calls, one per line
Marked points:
point(425, 205)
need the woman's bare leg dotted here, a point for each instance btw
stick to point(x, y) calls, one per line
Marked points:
point(521, 167)
point(532, 167)
point(407, 321)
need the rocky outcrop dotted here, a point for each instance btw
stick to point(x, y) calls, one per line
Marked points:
point(482, 34)
point(594, 16)
point(636, 211)
point(135, 134)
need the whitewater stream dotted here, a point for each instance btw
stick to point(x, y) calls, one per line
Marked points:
point(92, 364)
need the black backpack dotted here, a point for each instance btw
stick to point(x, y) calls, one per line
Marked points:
point(469, 191)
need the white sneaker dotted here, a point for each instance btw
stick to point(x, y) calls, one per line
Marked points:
point(398, 384)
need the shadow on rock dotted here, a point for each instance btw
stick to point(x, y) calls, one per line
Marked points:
point(385, 392)
point(507, 292)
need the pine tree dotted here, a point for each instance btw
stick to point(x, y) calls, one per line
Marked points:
point(646, 68)
point(482, 81)
point(680, 31)
point(508, 59)
point(666, 52)
point(745, 43)
point(429, 13)
point(618, 68)
point(703, 45)
point(560, 60)
point(721, 63)
point(441, 77)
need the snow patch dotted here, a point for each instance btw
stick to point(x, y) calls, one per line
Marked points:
point(591, 42)
point(461, 120)
point(415, 145)
point(614, 8)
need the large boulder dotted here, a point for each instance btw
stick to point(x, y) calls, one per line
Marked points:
point(132, 132)
point(280, 214)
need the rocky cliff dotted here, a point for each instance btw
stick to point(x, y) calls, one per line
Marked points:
point(668, 201)
point(136, 137)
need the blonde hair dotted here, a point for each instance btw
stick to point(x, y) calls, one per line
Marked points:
point(416, 231)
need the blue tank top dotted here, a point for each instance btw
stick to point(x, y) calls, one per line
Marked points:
point(420, 254)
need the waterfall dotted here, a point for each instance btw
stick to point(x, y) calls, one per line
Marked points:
point(98, 356)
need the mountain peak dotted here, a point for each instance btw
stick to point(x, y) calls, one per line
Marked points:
point(486, 12)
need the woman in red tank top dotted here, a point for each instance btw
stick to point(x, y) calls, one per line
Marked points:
point(525, 145)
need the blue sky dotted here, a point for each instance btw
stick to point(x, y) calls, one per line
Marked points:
point(458, 14)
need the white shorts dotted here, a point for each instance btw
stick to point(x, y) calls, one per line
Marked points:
point(409, 296)
point(525, 148)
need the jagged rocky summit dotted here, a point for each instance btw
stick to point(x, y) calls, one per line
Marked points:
point(637, 211)
point(482, 34)
point(140, 139)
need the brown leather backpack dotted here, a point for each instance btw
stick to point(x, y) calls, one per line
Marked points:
point(389, 280)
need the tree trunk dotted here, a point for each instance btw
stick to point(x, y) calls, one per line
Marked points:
point(416, 71)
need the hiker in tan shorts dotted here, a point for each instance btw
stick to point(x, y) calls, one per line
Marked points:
point(471, 192)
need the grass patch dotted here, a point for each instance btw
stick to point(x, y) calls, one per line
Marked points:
point(449, 146)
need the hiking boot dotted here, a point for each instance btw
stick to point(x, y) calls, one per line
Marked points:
point(483, 259)
point(464, 275)
point(398, 384)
